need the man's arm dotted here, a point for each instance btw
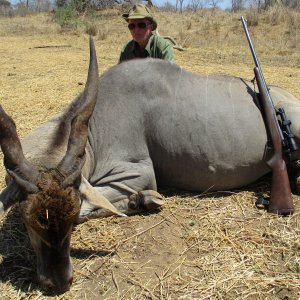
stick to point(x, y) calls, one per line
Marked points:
point(168, 53)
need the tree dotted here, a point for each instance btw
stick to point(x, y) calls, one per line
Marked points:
point(214, 3)
point(194, 5)
point(291, 3)
point(61, 3)
point(237, 5)
point(180, 5)
point(168, 6)
point(264, 4)
point(4, 3)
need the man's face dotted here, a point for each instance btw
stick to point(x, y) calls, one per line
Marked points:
point(140, 30)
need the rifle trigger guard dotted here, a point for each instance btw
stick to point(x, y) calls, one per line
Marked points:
point(262, 203)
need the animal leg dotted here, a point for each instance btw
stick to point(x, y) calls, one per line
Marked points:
point(142, 201)
point(88, 211)
point(129, 187)
point(147, 199)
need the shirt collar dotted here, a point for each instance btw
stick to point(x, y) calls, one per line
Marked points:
point(136, 46)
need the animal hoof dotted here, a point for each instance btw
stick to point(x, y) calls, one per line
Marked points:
point(147, 199)
point(153, 203)
point(134, 202)
point(152, 199)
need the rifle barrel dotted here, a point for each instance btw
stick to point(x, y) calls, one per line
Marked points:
point(257, 65)
point(255, 58)
point(256, 61)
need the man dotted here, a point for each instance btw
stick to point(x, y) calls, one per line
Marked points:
point(144, 44)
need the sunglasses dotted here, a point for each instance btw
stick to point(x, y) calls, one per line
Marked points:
point(140, 25)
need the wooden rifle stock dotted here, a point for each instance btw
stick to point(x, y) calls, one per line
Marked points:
point(280, 200)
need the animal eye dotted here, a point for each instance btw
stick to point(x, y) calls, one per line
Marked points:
point(43, 221)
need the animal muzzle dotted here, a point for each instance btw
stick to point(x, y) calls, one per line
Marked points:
point(58, 288)
point(58, 279)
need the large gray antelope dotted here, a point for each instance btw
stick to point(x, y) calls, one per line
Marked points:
point(144, 123)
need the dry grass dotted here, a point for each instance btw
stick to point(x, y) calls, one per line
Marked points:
point(215, 246)
point(212, 246)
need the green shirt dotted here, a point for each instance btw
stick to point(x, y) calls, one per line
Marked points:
point(157, 47)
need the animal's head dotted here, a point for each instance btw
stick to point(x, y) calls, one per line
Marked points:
point(49, 198)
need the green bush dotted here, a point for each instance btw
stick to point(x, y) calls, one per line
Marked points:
point(22, 10)
point(67, 17)
point(81, 5)
point(4, 3)
point(91, 28)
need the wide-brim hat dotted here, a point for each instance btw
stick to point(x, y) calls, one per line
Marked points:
point(140, 11)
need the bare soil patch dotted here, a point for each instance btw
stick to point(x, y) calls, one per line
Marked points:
point(208, 246)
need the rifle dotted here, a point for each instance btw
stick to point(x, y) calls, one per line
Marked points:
point(280, 201)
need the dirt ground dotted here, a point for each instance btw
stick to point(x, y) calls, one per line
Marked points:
point(199, 246)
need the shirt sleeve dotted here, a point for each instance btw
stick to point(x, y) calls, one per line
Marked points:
point(168, 53)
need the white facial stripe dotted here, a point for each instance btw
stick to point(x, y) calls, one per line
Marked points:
point(63, 240)
point(47, 243)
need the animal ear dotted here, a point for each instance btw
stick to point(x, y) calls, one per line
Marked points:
point(71, 164)
point(14, 159)
point(74, 174)
point(24, 184)
point(9, 196)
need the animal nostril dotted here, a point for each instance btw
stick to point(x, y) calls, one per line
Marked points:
point(48, 285)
